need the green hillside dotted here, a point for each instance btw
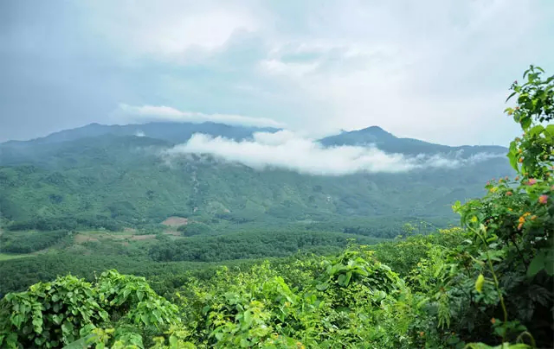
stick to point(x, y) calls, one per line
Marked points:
point(116, 181)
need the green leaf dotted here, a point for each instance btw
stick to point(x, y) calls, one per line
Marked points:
point(144, 319)
point(549, 264)
point(511, 95)
point(322, 286)
point(67, 328)
point(526, 122)
point(348, 277)
point(247, 317)
point(537, 264)
point(513, 160)
point(479, 283)
point(422, 302)
point(536, 130)
point(37, 325)
point(173, 342)
point(17, 320)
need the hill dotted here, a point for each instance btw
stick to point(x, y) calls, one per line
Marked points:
point(109, 175)
point(392, 144)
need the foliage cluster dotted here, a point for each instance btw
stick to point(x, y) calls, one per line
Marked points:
point(67, 310)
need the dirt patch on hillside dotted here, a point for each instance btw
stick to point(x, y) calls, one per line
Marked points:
point(119, 237)
point(173, 233)
point(175, 221)
point(85, 238)
point(143, 237)
point(130, 230)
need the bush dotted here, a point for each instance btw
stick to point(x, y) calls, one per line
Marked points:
point(56, 314)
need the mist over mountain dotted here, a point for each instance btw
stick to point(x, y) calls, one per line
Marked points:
point(133, 174)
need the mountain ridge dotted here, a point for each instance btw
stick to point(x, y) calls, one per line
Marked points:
point(156, 128)
point(112, 179)
point(386, 141)
point(180, 132)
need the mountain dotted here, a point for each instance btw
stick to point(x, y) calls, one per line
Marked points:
point(102, 175)
point(17, 152)
point(169, 131)
point(390, 143)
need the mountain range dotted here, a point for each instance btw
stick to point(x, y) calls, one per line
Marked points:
point(117, 175)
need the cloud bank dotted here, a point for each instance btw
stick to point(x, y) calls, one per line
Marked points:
point(164, 113)
point(432, 70)
point(286, 150)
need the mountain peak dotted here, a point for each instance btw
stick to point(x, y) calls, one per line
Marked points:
point(375, 130)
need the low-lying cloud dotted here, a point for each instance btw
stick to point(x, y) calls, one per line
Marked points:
point(285, 150)
point(148, 113)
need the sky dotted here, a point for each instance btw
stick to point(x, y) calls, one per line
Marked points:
point(434, 70)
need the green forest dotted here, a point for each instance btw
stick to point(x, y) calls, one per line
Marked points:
point(104, 249)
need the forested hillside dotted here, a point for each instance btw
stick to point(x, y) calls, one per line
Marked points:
point(105, 176)
point(485, 284)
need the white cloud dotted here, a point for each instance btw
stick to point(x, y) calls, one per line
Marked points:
point(285, 150)
point(434, 70)
point(293, 70)
point(167, 29)
point(146, 113)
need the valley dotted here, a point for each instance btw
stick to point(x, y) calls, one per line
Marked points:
point(166, 239)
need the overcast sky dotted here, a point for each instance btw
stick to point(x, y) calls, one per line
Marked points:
point(435, 70)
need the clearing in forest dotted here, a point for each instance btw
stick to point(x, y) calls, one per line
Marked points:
point(175, 221)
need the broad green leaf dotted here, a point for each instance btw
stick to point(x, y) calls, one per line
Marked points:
point(173, 342)
point(67, 328)
point(536, 130)
point(37, 324)
point(549, 263)
point(247, 317)
point(526, 122)
point(479, 283)
point(80, 343)
point(348, 277)
point(537, 264)
point(322, 286)
point(512, 157)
